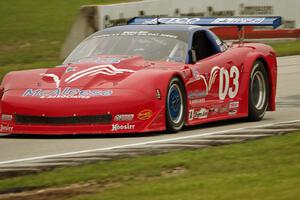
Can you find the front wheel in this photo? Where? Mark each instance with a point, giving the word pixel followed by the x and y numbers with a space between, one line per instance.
pixel 258 92
pixel 175 105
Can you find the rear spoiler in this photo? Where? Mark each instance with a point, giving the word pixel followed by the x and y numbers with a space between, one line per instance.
pixel 240 22
pixel 209 21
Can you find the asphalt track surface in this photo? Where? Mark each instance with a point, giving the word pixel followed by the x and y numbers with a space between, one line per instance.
pixel 20 149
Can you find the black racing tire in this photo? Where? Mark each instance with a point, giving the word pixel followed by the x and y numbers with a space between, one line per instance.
pixel 175 105
pixel 259 90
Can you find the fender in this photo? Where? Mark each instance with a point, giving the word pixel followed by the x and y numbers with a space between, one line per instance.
pixel 271 66
pixel 158 80
pixel 154 79
pixel 13 79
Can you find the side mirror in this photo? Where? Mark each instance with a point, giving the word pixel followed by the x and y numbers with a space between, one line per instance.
pixel 192 56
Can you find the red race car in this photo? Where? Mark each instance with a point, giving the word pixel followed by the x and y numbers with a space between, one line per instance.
pixel 152 74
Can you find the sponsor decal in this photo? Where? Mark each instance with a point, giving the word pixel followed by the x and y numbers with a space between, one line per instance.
pixel 196 74
pixel 124 117
pixel 214 110
pixel 172 21
pixel 66 93
pixel 6 117
pixel 107 60
pixel 218 41
pixel 238 20
pixel 191 114
pixel 197 101
pixel 232 112
pixel 218 109
pixel 6 128
pixel 234 104
pixel 138 33
pixel 223 109
pixel 225 77
pixel 196 94
pixel 211 81
pixel 200 114
pixel 145 114
pixel 158 93
pixel 117 127
pixel 101 60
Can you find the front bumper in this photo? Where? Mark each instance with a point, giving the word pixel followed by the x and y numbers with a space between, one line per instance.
pixel 131 103
pixel 155 123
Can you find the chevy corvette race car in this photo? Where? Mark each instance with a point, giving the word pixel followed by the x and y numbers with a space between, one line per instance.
pixel 152 74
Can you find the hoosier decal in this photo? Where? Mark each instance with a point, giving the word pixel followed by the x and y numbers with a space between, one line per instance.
pixel 117 127
pixel 6 128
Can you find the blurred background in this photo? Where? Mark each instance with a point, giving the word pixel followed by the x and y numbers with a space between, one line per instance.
pixel 38 34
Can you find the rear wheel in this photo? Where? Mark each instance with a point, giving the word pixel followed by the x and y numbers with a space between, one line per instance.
pixel 258 92
pixel 175 105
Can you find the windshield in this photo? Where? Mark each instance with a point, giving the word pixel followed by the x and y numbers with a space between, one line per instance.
pixel 155 46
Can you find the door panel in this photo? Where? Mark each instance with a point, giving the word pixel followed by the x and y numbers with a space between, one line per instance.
pixel 213 88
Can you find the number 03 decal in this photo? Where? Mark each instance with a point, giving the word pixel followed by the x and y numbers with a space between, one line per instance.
pixel 225 77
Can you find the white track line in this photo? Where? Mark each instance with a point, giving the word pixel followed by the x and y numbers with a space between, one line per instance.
pixel 139 144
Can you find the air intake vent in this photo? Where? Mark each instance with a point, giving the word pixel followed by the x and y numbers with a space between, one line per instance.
pixel 96 119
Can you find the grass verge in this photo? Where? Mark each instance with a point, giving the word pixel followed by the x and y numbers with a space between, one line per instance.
pixel 32 32
pixel 287 48
pixel 261 169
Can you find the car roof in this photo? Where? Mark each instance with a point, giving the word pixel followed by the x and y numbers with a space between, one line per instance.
pixel 190 29
pixel 161 27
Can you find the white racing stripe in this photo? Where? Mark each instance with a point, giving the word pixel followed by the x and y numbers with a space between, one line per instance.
pixel 82 71
pixel 101 69
pixel 138 144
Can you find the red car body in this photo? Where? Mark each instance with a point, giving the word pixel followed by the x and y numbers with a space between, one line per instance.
pixel 129 95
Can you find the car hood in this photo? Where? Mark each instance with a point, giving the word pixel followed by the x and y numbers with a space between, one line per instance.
pixel 103 72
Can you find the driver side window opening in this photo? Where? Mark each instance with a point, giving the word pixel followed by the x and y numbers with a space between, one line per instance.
pixel 203 46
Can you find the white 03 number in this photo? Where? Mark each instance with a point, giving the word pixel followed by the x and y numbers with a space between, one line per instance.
pixel 224 88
